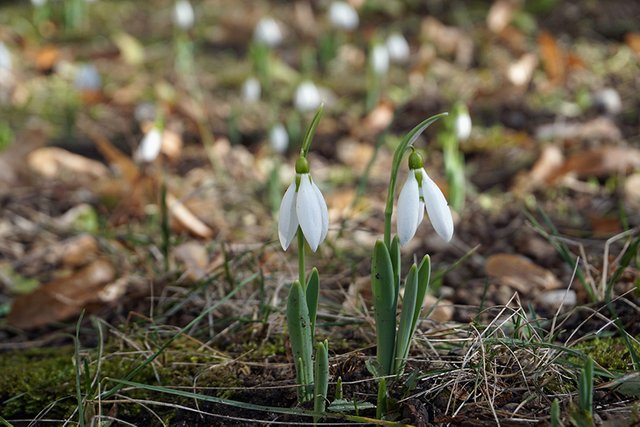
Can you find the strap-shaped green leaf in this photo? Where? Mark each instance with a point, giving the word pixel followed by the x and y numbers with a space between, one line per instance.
pixel 424 276
pixel 383 287
pixel 405 331
pixel 312 294
pixel 300 336
pixel 322 377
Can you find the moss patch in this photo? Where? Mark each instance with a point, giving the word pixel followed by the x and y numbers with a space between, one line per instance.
pixel 610 353
pixel 36 379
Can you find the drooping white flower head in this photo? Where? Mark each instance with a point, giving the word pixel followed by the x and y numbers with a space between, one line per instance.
pixel 418 192
pixel 462 124
pixel 343 16
pixel 398 48
pixel 303 205
pixel 307 97
pixel 183 14
pixel 279 138
pixel 150 146
pixel 379 59
pixel 6 63
pixel 268 32
pixel 251 90
pixel 87 78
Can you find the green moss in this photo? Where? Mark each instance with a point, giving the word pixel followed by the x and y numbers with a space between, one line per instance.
pixel 33 380
pixel 610 353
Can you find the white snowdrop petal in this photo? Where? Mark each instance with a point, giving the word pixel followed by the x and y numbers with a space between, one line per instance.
pixel 421 210
pixel 309 213
pixel 268 32
pixel 307 97
pixel 463 126
pixel 150 146
pixel 279 138
pixel 398 48
pixel 380 59
pixel 408 209
pixel 183 14
pixel 437 208
pixel 251 89
pixel 288 221
pixel 343 16
pixel 323 210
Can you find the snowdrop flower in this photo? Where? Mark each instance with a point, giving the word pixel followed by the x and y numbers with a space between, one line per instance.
pixel 398 48
pixel 462 124
pixel 38 3
pixel 343 16
pixel 307 97
pixel 251 90
pixel 279 138
pixel 303 205
pixel 268 32
pixel 418 192
pixel 87 78
pixel 379 59
pixel 150 146
pixel 183 15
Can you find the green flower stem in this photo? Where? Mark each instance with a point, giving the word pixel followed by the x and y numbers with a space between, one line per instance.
pixel 301 274
pixel 311 131
pixel 406 142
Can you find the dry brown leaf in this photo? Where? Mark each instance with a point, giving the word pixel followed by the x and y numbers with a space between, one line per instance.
pixel 553 57
pixel 543 170
pixel 500 15
pixel 62 298
pixel 185 218
pixel 195 258
pixel 598 128
pixel 118 160
pixel 354 154
pixel 605 226
pixel 13 158
pixel 47 57
pixel 519 273
pixel 633 41
pixel 79 250
pixel 599 162
pixel 378 119
pixel 54 162
pixel 449 40
pixel 440 310
pixel 520 72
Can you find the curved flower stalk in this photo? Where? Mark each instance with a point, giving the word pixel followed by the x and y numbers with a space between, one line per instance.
pixel 420 192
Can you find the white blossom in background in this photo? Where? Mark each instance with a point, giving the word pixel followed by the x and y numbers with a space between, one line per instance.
pixel 463 125
pixel 343 16
pixel 38 3
pixel 183 14
pixel 87 78
pixel 307 97
pixel 608 100
pixel 268 32
pixel 304 205
pixel 251 90
pixel 150 146
pixel 6 63
pixel 420 192
pixel 279 138
pixel 398 48
pixel 379 59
